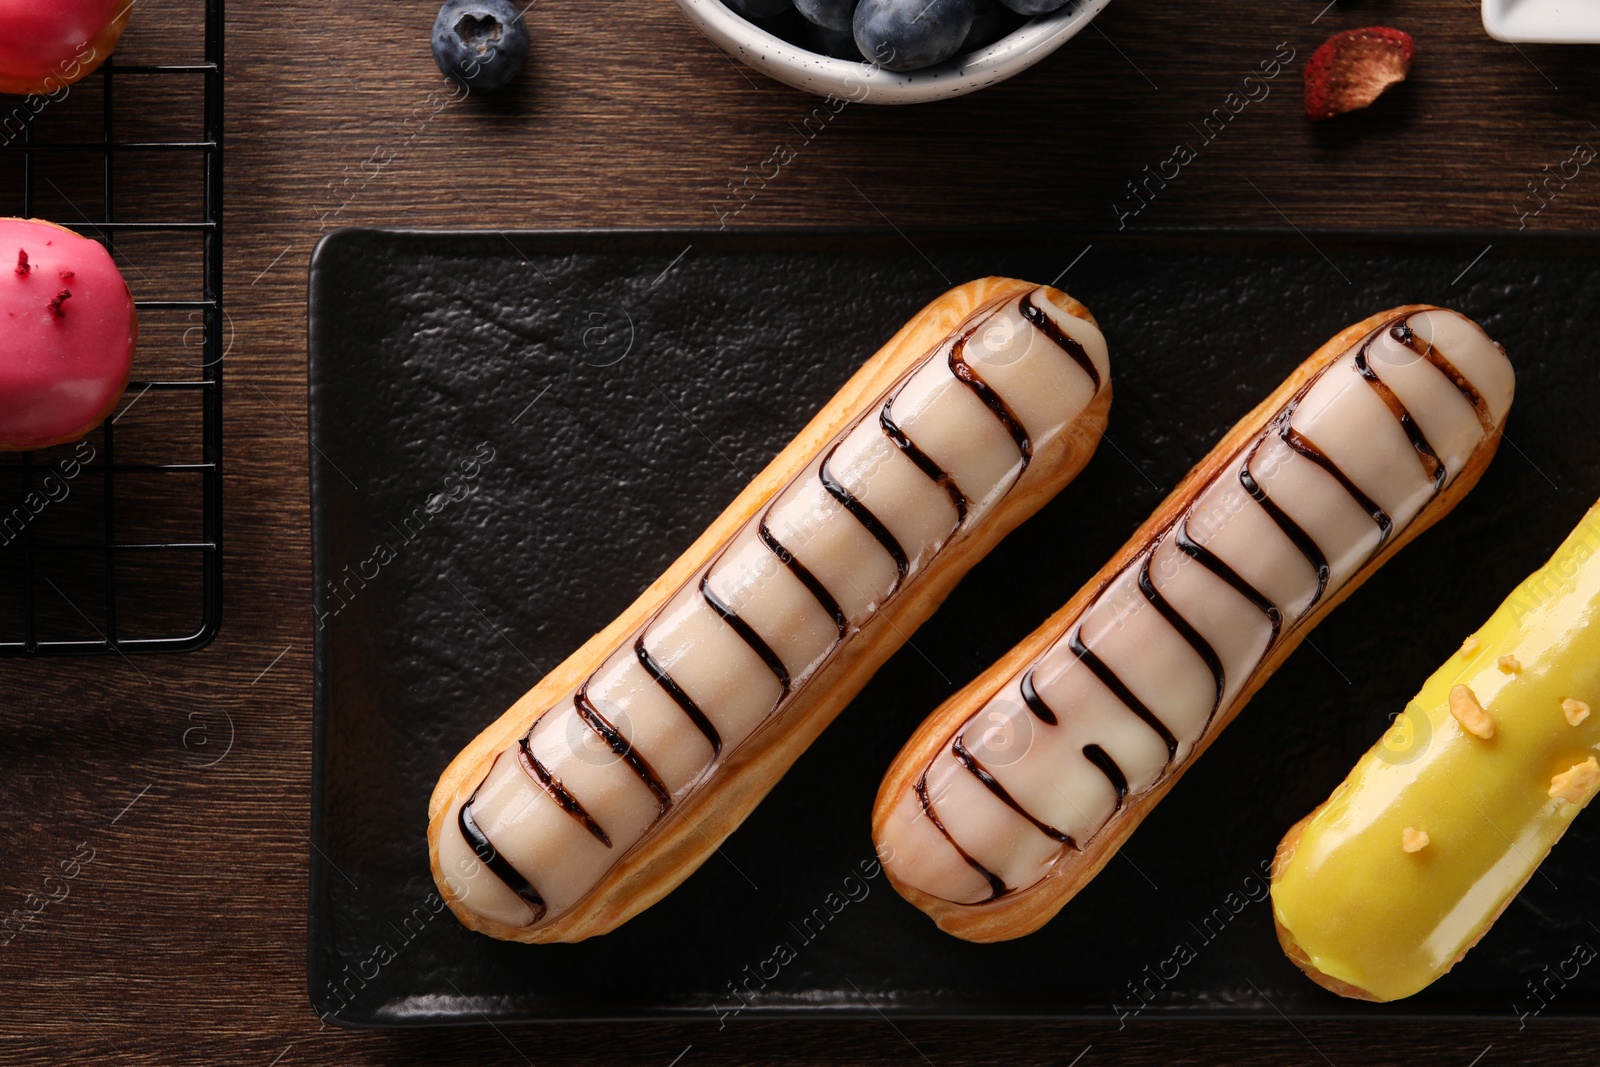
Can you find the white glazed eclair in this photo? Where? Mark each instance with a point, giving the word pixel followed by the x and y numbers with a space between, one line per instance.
pixel 1017 790
pixel 611 780
pixel 1385 886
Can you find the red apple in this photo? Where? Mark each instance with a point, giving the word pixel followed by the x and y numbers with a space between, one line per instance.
pixel 68 329
pixel 46 45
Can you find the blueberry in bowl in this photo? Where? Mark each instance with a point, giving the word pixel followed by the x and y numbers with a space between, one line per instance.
pixel 912 34
pixel 890 51
pixel 481 44
pixel 760 9
pixel 829 14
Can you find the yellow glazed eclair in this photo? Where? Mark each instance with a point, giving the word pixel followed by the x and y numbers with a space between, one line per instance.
pixel 1386 886
pixel 1019 788
pixel 611 780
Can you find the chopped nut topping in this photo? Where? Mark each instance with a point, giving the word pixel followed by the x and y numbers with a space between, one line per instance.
pixel 1469 713
pixel 1577 784
pixel 1509 664
pixel 1575 711
pixel 1413 840
pixel 1470 645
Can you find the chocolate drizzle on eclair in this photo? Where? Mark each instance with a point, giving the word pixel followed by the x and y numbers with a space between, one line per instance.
pixel 1119 689
pixel 1303 447
pixel 1186 630
pixel 863 514
pixel 621 747
pixel 1030 696
pixel 965 757
pixel 992 400
pixel 1211 562
pixel 850 498
pixel 558 792
pixel 1431 464
pixel 825 600
pixel 1402 332
pixel 748 635
pixel 497 864
pixel 679 697
pixel 1047 326
pixel 997 888
pixel 1303 542
pixel 924 463
pixel 1298 537
pixel 1108 767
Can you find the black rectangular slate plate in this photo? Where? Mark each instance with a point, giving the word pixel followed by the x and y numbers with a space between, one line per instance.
pixel 512 434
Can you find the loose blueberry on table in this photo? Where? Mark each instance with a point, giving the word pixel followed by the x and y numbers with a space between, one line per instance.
pixel 481 44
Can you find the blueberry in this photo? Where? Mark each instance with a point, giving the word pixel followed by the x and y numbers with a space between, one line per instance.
pixel 480 43
pixel 911 34
pixel 830 14
pixel 992 23
pixel 759 9
pixel 840 44
pixel 1034 7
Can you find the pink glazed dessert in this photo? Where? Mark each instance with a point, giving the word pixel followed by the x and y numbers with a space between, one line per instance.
pixel 68 330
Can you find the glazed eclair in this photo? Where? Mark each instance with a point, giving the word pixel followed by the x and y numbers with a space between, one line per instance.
pixel 611 780
pixel 1385 886
pixel 1017 790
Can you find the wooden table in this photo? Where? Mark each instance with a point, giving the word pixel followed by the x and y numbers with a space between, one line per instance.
pixel 183 942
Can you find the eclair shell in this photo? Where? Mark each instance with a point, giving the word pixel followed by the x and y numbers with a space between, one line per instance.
pixel 745 772
pixel 982 834
pixel 1366 918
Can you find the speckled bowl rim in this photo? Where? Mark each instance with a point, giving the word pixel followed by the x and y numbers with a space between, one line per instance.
pixel 861 82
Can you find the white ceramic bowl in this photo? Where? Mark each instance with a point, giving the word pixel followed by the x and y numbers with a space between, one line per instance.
pixel 861 82
pixel 1543 21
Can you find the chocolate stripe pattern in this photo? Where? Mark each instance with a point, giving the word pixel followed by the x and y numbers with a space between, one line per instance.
pixel 620 747
pixel 1208 559
pixel 1303 542
pixel 992 400
pixel 1360 468
pixel 1108 767
pixel 679 697
pixel 550 784
pixel 830 548
pixel 1119 689
pixel 802 573
pixel 497 864
pixel 870 522
pixel 747 634
pixel 992 784
pixel 1030 696
pixel 924 463
pixel 995 884
pixel 1185 630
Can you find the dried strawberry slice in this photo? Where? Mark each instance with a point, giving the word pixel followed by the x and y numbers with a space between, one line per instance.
pixel 1352 69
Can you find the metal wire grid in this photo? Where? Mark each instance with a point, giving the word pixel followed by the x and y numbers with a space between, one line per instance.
pixel 113 547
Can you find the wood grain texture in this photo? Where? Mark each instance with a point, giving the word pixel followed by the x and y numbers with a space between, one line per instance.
pixel 183 941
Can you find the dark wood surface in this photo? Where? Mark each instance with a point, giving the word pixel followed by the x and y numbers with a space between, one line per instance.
pixel 183 941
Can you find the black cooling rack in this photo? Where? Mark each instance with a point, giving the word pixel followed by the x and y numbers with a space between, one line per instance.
pixel 114 544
